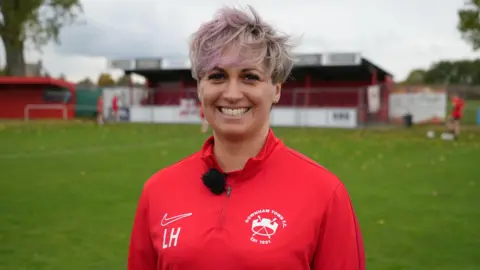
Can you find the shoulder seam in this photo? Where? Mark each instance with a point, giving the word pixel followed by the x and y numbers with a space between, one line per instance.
pixel 334 191
pixel 183 159
pixel 162 170
pixel 306 159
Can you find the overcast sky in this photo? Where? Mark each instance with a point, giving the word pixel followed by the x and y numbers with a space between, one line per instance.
pixel 397 35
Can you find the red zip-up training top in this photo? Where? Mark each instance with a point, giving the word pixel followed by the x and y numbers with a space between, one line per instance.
pixel 282 211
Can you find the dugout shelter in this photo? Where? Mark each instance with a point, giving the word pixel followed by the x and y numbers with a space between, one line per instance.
pixel 339 82
pixel 36 98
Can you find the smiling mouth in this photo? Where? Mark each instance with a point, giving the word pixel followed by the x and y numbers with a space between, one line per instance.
pixel 233 112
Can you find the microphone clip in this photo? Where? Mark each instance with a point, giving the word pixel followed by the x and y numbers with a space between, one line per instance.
pixel 215 181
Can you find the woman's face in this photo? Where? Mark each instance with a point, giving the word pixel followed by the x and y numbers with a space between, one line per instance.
pixel 237 99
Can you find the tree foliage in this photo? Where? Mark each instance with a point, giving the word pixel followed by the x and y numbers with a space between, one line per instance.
pixel 123 80
pixel 105 79
pixel 469 23
pixel 86 82
pixel 462 72
pixel 32 22
pixel 416 76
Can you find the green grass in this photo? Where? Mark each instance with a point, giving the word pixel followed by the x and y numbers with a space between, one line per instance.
pixel 68 191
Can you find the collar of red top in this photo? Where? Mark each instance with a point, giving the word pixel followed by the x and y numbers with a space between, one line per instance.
pixel 253 165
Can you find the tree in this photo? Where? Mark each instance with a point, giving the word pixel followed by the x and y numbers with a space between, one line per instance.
pixel 35 22
pixel 86 82
pixel 461 72
pixel 415 76
pixel 442 72
pixel 123 80
pixel 105 79
pixel 469 23
pixel 464 72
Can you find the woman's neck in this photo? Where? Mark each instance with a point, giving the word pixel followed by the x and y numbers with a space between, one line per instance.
pixel 233 155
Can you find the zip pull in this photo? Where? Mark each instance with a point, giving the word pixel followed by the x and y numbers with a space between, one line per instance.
pixel 229 190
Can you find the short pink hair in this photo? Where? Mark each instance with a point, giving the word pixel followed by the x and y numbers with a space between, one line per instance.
pixel 255 41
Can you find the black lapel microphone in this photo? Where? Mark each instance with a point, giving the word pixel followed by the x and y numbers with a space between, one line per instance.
pixel 215 180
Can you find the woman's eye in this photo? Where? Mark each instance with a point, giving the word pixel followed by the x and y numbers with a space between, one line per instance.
pixel 216 76
pixel 252 77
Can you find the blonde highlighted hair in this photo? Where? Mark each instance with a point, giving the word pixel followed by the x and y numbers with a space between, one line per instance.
pixel 256 42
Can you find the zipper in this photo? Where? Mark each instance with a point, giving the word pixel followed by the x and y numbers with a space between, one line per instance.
pixel 222 215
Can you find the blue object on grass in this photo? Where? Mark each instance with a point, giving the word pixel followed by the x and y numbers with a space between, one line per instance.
pixel 478 116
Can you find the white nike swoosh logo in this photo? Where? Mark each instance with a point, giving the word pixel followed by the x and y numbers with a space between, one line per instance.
pixel 165 221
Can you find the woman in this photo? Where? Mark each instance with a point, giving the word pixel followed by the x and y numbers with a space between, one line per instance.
pixel 100 110
pixel 456 115
pixel 245 200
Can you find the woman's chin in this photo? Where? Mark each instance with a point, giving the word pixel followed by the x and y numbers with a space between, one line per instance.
pixel 233 130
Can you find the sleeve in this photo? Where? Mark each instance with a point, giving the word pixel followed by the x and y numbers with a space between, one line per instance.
pixel 141 253
pixel 340 244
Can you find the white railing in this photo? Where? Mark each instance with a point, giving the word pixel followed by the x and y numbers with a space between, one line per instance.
pixel 30 107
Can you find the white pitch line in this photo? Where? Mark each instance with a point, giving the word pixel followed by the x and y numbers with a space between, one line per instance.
pixel 86 150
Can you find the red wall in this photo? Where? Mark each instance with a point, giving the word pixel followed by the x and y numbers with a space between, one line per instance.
pixel 388 86
pixel 321 94
pixel 168 93
pixel 13 101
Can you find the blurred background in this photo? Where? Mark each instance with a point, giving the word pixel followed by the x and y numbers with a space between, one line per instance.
pixel 96 96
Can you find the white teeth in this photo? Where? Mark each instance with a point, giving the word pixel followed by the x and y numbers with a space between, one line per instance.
pixel 234 112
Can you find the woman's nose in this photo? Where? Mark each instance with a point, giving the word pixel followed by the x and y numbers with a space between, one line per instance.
pixel 233 91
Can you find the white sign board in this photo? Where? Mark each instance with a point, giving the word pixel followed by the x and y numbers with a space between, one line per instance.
pixel 148 63
pixel 120 64
pixel 341 59
pixel 188 106
pixel 307 60
pixel 176 63
pixel 342 118
pixel 424 106
pixel 373 98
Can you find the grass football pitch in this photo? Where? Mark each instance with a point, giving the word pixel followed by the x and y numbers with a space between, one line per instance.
pixel 68 191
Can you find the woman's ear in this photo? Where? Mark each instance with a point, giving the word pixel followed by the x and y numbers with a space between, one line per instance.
pixel 277 94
